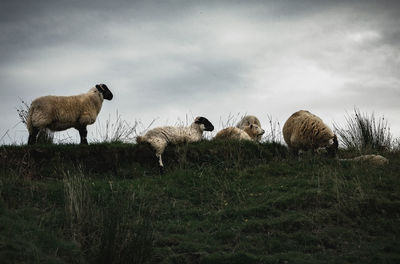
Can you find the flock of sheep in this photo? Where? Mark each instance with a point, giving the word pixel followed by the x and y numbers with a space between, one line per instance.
pixel 302 131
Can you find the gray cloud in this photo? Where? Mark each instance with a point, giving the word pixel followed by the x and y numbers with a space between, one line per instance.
pixel 166 59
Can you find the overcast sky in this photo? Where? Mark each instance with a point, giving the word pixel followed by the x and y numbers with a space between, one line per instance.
pixel 166 60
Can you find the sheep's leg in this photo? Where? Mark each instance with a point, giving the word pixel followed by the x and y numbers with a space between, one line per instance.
pixel 159 146
pixel 33 136
pixel 83 134
pixel 160 163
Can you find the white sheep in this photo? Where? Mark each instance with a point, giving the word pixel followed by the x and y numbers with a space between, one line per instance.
pixel 58 113
pixel 247 121
pixel 374 160
pixel 250 132
pixel 304 131
pixel 160 137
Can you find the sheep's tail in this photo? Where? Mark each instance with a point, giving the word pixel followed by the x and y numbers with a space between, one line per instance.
pixel 29 124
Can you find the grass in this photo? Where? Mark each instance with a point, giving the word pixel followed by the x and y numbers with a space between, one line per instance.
pixel 364 133
pixel 219 202
pixel 116 129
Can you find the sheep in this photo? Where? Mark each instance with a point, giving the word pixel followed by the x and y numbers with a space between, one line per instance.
pixel 160 137
pixel 250 132
pixel 375 160
pixel 304 131
pixel 59 113
pixel 249 120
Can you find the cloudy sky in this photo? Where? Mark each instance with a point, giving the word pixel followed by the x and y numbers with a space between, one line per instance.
pixel 169 60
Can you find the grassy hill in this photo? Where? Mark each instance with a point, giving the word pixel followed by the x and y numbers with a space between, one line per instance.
pixel 219 202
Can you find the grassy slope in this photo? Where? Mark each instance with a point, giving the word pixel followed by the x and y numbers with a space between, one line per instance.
pixel 219 202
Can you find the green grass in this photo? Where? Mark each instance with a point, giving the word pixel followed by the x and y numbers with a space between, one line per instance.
pixel 219 202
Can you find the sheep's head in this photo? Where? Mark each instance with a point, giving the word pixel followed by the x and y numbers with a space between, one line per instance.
pixel 333 146
pixel 107 94
pixel 250 119
pixel 204 123
pixel 254 131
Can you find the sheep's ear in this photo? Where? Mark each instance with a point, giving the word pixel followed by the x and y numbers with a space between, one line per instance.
pixel 99 88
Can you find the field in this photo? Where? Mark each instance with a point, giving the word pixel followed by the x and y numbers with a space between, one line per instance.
pixel 219 202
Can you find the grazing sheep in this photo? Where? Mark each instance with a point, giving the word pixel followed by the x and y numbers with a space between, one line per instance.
pixel 247 121
pixel 58 113
pixel 160 137
pixel 304 131
pixel 375 160
pixel 250 132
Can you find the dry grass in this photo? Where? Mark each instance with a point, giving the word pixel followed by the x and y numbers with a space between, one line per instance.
pixel 363 133
pixel 119 130
pixel 273 132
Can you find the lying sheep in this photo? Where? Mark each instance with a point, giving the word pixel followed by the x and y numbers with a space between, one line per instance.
pixel 247 121
pixel 250 132
pixel 375 160
pixel 160 137
pixel 59 113
pixel 304 131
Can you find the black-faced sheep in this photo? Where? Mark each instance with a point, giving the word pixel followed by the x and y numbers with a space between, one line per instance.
pixel 304 131
pixel 247 121
pixel 250 132
pixel 58 113
pixel 160 137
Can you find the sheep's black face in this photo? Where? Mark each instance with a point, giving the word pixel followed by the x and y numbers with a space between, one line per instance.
pixel 107 94
pixel 332 149
pixel 207 124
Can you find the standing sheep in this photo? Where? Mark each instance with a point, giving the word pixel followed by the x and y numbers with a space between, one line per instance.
pixel 250 132
pixel 304 131
pixel 59 113
pixel 247 121
pixel 160 137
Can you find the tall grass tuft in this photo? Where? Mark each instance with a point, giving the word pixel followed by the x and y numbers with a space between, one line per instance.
pixel 112 226
pixel 78 204
pixel 126 233
pixel 364 133
pixel 273 133
pixel 117 130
